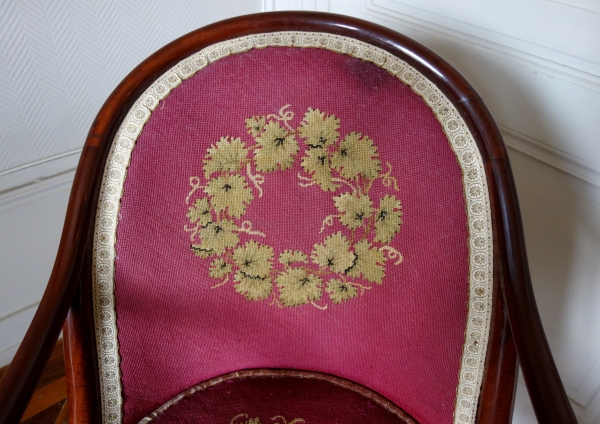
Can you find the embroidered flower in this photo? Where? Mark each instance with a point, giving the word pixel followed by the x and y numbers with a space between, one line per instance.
pixel 255 125
pixel 357 156
pixel 388 220
pixel 215 238
pixel 200 212
pixel 276 146
pixel 354 208
pixel 228 155
pixel 340 291
pixel 317 163
pixel 254 259
pixel 287 257
pixel 334 253
pixel 369 263
pixel 219 268
pixel 297 287
pixel 319 130
pixel 252 288
pixel 330 162
pixel 229 192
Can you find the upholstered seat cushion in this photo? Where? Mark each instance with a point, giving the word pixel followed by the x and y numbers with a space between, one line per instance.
pixel 278 397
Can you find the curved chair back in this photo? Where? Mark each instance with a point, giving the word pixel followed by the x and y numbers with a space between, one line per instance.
pixel 283 211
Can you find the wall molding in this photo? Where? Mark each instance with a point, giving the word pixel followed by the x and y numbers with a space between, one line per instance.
pixel 583 414
pixel 37 180
pixel 316 5
pixel 589 5
pixel 37 190
pixel 18 320
pixel 18 311
pixel 7 354
pixel 524 58
pixel 551 156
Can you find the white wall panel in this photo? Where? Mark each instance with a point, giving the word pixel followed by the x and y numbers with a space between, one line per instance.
pixel 549 25
pixel 12 329
pixel 60 59
pixel 31 220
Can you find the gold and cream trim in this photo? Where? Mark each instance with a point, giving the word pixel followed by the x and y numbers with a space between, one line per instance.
pixel 461 141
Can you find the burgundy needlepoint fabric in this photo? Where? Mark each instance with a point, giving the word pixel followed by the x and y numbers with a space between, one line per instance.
pixel 280 399
pixel 293 208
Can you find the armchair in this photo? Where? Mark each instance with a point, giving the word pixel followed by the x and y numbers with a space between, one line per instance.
pixel 292 217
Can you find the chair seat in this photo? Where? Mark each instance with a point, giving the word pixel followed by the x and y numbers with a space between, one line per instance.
pixel 278 397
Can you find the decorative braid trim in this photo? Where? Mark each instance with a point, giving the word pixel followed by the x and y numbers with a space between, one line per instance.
pixel 461 142
pixel 277 373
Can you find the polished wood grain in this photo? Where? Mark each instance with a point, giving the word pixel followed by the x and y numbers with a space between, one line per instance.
pixel 516 327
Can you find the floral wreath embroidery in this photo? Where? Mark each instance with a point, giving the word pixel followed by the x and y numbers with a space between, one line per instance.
pixel 342 262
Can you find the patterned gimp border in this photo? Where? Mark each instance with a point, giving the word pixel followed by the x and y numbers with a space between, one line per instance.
pixel 278 373
pixel 461 141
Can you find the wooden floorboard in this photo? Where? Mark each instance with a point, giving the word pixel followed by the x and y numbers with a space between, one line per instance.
pixel 48 403
pixel 48 415
pixel 55 368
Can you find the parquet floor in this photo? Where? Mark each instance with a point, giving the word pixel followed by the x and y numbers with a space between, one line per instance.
pixel 49 402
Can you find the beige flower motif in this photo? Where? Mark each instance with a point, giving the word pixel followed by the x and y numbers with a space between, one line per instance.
pixel 227 155
pixel 287 257
pixel 200 212
pixel 252 288
pixel 275 146
pixel 388 220
pixel 369 263
pixel 297 287
pixel 319 130
pixel 357 156
pixel 229 192
pixel 340 291
pixel 219 268
pixel 354 208
pixel 255 125
pixel 254 259
pixel 215 238
pixel 334 253
pixel 317 163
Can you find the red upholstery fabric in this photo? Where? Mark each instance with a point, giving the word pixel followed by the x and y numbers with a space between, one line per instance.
pixel 402 339
pixel 280 400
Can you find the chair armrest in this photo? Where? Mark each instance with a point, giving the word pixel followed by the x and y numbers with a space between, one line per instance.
pixel 18 384
pixel 548 396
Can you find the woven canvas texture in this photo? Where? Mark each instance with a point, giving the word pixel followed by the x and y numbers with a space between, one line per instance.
pixel 263 397
pixel 400 334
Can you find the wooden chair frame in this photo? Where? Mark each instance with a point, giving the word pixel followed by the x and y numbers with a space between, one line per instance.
pixel 516 329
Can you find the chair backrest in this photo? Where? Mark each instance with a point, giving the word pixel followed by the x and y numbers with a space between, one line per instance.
pixel 294 217
pixel 294 200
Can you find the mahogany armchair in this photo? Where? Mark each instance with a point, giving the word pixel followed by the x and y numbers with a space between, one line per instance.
pixel 292 217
